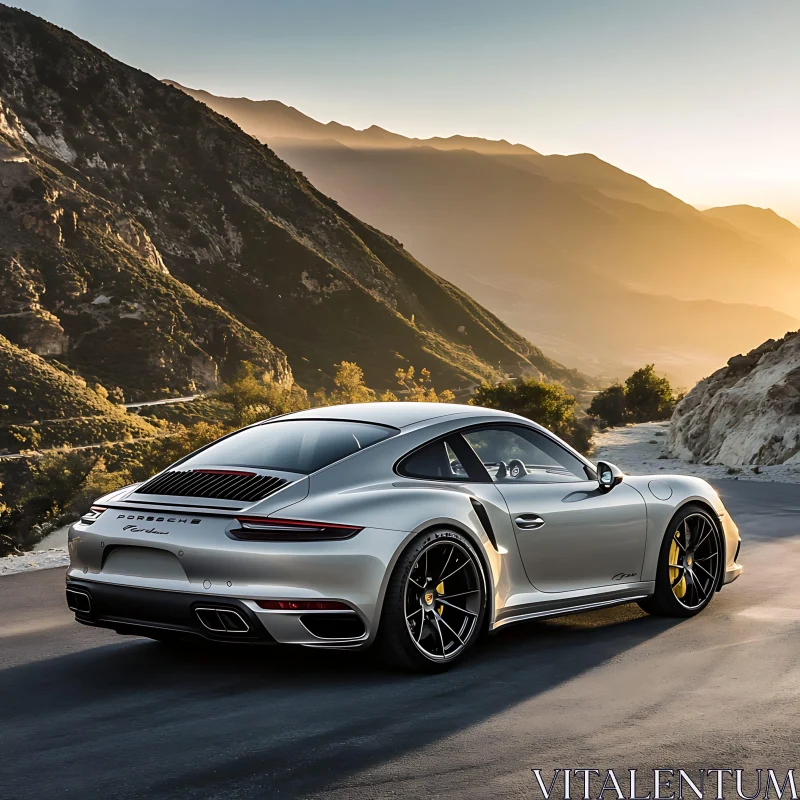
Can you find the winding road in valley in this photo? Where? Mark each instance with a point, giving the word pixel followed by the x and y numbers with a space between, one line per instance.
pixel 87 714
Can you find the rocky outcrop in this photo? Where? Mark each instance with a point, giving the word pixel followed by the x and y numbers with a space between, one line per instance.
pixel 82 281
pixel 22 316
pixel 745 413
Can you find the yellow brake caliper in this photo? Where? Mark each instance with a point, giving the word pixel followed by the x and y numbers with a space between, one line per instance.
pixel 440 590
pixel 674 555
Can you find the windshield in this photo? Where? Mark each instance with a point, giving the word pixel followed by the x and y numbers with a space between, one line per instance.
pixel 292 445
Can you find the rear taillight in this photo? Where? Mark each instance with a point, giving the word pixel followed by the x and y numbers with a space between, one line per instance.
pixel 303 605
pixel 92 515
pixel 268 529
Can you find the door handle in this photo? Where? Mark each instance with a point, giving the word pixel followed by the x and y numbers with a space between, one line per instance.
pixel 529 522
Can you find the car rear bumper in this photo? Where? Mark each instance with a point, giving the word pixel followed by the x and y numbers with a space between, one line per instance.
pixel 129 609
pixel 153 612
pixel 146 585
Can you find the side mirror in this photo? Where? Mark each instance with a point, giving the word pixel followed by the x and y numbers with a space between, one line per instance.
pixel 608 476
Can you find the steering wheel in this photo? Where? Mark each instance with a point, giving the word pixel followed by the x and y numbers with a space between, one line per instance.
pixel 516 469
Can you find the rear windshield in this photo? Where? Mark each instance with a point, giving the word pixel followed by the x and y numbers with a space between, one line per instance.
pixel 292 445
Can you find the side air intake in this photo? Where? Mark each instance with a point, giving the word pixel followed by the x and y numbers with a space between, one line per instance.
pixel 217 483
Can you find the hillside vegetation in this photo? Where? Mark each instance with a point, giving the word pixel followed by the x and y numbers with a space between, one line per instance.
pixel 42 405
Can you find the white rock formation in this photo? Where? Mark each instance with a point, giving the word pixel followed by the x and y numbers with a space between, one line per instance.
pixel 745 413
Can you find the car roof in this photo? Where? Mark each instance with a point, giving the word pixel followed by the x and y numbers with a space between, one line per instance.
pixel 398 414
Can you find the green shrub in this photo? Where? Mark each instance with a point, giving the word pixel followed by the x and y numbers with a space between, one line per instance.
pixel 252 396
pixel 644 397
pixel 46 489
pixel 610 405
pixel 648 396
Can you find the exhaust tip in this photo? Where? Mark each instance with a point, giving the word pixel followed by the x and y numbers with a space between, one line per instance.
pixel 78 601
pixel 221 620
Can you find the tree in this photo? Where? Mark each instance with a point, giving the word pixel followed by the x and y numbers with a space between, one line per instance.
pixel 549 404
pixel 420 389
pixel 644 397
pixel 648 396
pixel 98 482
pixel 610 405
pixel 254 397
pixel 350 388
pixel 100 390
pixel 169 449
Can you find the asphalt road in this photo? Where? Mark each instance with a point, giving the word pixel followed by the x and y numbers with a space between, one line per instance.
pixel 88 714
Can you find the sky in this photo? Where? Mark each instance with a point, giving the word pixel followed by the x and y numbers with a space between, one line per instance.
pixel 699 98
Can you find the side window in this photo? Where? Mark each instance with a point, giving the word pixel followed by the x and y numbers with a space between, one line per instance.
pixel 516 454
pixel 434 461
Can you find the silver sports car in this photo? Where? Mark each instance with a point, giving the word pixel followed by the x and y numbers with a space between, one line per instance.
pixel 414 527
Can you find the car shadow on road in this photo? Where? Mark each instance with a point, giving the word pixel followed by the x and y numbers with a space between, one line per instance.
pixel 203 722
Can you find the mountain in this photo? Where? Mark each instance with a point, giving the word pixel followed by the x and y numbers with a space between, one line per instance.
pixel 441 204
pixel 761 224
pixel 594 178
pixel 745 413
pixel 551 261
pixel 271 119
pixel 149 243
pixel 559 247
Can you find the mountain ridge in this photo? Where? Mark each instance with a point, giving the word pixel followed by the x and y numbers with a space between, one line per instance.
pixel 554 233
pixel 289 122
pixel 262 118
pixel 765 224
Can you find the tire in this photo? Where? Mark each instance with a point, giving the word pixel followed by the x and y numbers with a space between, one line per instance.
pixel 687 575
pixel 427 626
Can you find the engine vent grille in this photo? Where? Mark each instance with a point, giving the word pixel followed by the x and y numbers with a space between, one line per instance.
pixel 216 483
